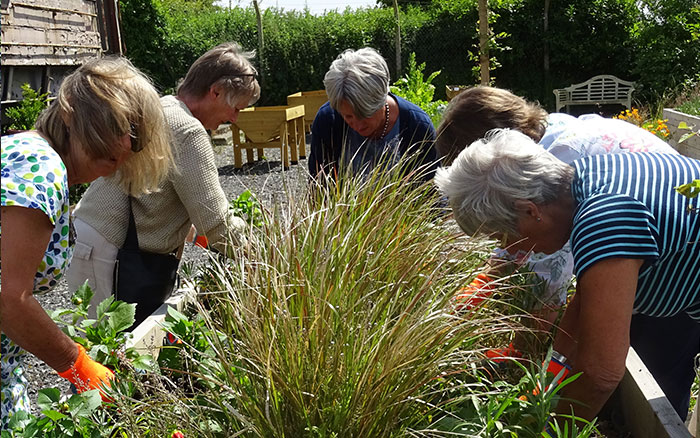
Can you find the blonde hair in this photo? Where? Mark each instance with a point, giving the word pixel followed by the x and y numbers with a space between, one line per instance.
pixel 226 67
pixel 96 106
pixel 478 110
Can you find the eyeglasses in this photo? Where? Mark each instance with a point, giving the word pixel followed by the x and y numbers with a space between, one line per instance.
pixel 136 145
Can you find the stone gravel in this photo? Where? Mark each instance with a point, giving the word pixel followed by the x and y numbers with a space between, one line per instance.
pixel 266 179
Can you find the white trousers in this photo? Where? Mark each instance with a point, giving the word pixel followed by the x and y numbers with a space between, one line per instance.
pixel 93 260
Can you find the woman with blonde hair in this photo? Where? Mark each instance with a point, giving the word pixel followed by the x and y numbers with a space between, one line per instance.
pixel 217 86
pixel 106 120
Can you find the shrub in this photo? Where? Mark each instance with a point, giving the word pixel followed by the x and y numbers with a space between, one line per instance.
pixel 25 114
pixel 418 89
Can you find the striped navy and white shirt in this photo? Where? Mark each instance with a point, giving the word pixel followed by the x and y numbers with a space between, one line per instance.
pixel 627 208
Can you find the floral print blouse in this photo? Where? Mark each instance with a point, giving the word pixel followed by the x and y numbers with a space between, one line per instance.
pixel 34 176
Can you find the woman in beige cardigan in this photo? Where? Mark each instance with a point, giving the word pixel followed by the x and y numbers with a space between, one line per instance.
pixel 217 86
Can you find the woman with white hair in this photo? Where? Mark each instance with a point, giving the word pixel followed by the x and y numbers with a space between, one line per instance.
pixel 635 241
pixel 217 86
pixel 363 124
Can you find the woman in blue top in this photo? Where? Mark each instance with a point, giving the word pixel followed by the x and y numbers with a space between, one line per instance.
pixel 635 240
pixel 106 117
pixel 362 124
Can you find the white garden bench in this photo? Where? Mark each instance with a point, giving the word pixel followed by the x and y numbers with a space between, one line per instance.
pixel 601 89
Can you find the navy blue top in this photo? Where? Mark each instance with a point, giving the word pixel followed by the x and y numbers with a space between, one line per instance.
pixel 330 134
pixel 627 208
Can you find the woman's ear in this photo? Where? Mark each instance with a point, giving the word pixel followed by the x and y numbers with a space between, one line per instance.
pixel 527 208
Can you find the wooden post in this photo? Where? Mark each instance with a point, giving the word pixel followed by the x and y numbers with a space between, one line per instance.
pixel 398 39
pixel 484 42
pixel 261 50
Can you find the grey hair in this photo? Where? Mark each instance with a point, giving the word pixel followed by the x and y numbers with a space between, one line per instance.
pixel 361 77
pixel 227 67
pixel 488 177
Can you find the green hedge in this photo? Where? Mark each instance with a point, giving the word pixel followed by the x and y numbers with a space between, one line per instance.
pixel 657 45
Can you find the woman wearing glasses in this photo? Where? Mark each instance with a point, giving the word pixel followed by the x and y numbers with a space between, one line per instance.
pixel 217 86
pixel 106 120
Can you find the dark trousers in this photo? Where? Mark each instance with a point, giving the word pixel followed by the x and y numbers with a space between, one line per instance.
pixel 668 347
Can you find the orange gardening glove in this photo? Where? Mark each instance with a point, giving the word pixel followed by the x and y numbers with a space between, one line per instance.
pixel 555 366
pixel 474 294
pixel 504 354
pixel 86 374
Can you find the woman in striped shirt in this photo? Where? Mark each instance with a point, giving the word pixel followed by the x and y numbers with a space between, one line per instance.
pixel 634 241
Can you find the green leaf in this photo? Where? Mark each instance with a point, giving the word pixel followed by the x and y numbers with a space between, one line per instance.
pixel 122 316
pixel 104 306
pixel 686 136
pixel 84 404
pixel 689 190
pixel 683 125
pixel 145 362
pixel 47 397
pixel 53 415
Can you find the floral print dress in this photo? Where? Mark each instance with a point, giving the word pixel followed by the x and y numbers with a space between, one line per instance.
pixel 33 176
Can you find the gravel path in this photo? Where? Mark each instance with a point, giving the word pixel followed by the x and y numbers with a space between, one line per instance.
pixel 265 179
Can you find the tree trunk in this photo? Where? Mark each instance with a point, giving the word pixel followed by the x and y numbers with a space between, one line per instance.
pixel 484 42
pixel 398 39
pixel 261 57
pixel 545 53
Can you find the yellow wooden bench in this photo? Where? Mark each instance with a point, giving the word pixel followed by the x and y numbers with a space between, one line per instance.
pixel 269 127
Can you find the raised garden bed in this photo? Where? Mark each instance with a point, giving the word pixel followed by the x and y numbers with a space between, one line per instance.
pixel 148 336
pixel 645 410
pixel 312 101
pixel 691 146
pixel 280 127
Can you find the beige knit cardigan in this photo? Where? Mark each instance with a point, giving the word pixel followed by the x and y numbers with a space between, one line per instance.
pixel 191 195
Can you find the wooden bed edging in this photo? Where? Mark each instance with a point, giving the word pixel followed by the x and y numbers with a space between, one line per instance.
pixel 646 410
pixel 148 336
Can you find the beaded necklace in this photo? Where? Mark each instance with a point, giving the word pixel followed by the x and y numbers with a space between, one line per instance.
pixel 386 120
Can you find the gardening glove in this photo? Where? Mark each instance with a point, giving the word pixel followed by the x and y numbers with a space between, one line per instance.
pixel 200 240
pixel 558 367
pixel 507 353
pixel 473 295
pixel 86 374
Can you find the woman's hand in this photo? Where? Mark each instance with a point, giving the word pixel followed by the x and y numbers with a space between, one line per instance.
pixel 86 374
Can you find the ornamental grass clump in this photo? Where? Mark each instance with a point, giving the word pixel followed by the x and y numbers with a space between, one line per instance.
pixel 340 320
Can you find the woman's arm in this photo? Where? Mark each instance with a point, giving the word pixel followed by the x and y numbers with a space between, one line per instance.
pixel 26 233
pixel 599 320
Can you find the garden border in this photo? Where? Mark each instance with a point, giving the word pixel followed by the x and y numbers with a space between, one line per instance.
pixel 148 336
pixel 646 410
pixel 691 146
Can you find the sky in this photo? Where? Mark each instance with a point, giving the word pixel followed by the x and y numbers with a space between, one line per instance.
pixel 316 7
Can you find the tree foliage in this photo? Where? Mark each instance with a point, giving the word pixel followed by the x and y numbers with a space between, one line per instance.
pixel 652 42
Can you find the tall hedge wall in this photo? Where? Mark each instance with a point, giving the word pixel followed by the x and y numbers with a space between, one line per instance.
pixel 656 43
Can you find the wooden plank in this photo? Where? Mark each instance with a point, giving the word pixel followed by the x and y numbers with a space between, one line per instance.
pixel 646 410
pixel 148 336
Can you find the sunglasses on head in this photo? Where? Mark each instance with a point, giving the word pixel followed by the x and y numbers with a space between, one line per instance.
pixel 136 145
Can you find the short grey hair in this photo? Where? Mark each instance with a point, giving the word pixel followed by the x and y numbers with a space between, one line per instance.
pixel 226 67
pixel 361 77
pixel 488 177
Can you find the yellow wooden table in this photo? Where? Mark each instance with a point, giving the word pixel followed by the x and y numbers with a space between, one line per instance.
pixel 263 127
pixel 312 101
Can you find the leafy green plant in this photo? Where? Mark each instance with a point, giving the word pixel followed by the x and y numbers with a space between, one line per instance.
pixel 417 88
pixel 61 419
pixel 247 206
pixel 104 338
pixel 25 114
